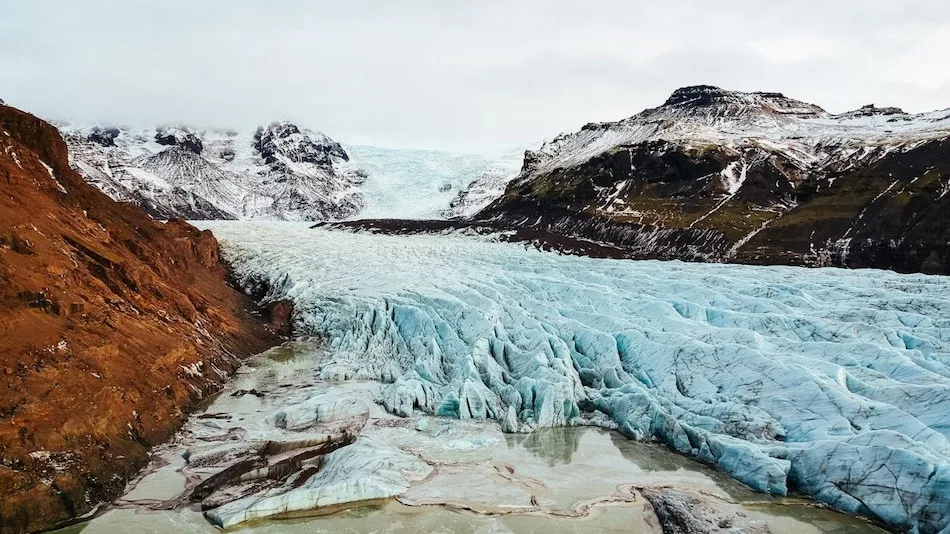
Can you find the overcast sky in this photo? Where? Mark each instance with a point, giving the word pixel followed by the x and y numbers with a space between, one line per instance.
pixel 472 75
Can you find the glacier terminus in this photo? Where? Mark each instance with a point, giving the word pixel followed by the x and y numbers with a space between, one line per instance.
pixel 835 385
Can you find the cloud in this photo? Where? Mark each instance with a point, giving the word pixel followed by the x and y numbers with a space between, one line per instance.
pixel 458 75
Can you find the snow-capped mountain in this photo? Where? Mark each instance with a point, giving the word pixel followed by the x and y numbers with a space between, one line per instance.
pixel 804 134
pixel 279 171
pixel 752 177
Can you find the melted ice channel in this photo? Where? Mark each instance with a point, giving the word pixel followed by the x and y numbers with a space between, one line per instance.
pixel 827 382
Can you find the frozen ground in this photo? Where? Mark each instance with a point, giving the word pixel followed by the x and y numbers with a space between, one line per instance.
pixel 832 383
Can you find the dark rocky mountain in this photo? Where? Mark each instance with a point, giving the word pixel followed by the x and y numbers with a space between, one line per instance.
pixel 717 175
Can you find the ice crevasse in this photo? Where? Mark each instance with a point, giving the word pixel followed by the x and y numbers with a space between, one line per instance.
pixel 831 383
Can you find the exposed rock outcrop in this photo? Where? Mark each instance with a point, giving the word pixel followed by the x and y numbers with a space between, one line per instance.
pixel 679 512
pixel 103 136
pixel 183 137
pixel 280 140
pixel 112 325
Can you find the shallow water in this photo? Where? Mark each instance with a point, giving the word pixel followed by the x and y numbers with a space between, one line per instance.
pixel 555 479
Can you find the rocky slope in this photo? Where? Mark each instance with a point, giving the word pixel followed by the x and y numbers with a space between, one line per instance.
pixel 111 326
pixel 717 175
pixel 279 171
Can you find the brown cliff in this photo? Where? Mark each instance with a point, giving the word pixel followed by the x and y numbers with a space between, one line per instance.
pixel 112 326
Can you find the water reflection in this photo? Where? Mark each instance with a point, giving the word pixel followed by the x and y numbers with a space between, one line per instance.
pixel 648 456
pixel 556 446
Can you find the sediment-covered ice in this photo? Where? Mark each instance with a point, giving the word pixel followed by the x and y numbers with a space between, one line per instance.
pixel 829 382
pixel 363 471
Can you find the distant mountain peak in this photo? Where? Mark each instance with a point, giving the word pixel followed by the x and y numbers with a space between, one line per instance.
pixel 697 95
pixel 104 136
pixel 746 176
pixel 870 110
pixel 286 139
pixel 180 136
pixel 729 102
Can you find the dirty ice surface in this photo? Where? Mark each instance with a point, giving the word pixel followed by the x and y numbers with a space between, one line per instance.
pixel 421 473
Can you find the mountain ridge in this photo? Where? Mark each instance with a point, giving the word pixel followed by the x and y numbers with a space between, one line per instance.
pixel 708 175
pixel 278 171
pixel 717 175
pixel 708 113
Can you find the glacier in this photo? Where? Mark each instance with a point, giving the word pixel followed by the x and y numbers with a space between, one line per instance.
pixel 363 471
pixel 429 184
pixel 825 382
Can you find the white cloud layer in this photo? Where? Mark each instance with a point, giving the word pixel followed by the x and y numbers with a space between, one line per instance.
pixel 458 75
